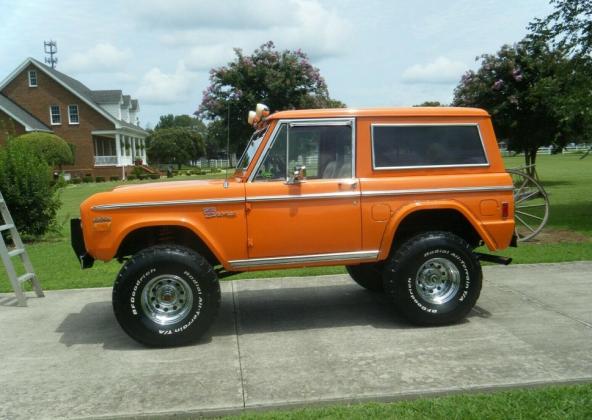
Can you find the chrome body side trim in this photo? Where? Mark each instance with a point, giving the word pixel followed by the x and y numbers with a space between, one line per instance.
pixel 296 259
pixel 394 168
pixel 344 194
pixel 306 122
pixel 117 206
pixel 434 191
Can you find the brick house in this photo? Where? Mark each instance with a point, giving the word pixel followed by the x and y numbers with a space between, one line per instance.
pixel 101 124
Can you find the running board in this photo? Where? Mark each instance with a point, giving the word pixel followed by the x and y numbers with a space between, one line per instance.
pixel 493 258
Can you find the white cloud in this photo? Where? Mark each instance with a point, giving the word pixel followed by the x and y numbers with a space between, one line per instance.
pixel 236 14
pixel 204 57
pixel 161 88
pixel 318 31
pixel 306 24
pixel 441 70
pixel 101 58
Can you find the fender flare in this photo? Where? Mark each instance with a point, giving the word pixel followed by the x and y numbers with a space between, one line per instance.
pixel 168 222
pixel 399 215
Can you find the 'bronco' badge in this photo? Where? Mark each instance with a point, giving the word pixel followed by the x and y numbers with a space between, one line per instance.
pixel 210 212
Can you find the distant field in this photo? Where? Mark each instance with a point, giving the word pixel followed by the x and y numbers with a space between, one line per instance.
pixel 567 179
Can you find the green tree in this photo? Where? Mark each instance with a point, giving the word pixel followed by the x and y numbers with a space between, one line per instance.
pixel 569 26
pixel 27 185
pixel 431 103
pixel 185 121
pixel 51 148
pixel 280 79
pixel 175 145
pixel 529 90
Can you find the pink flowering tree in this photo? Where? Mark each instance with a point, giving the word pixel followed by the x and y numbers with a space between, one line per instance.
pixel 280 79
pixel 532 93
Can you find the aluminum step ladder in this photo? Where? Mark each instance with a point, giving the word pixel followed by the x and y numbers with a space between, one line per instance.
pixel 7 224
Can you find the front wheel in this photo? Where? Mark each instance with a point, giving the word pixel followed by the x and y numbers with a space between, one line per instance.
pixel 369 276
pixel 434 278
pixel 166 296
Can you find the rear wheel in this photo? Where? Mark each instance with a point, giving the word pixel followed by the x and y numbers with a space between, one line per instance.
pixel 166 296
pixel 434 278
pixel 369 276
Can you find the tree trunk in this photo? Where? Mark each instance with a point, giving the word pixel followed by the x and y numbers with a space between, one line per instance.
pixel 530 161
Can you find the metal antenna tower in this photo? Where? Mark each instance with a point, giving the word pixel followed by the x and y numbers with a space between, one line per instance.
pixel 51 48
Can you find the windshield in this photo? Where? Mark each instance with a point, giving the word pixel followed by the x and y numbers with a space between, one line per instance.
pixel 250 151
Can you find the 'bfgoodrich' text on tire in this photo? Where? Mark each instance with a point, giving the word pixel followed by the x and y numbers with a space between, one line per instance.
pixel 433 278
pixel 166 295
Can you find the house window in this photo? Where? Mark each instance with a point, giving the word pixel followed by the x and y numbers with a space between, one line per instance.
pixel 73 114
pixel 32 78
pixel 54 115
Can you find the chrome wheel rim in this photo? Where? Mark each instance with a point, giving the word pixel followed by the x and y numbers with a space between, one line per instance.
pixel 437 281
pixel 167 299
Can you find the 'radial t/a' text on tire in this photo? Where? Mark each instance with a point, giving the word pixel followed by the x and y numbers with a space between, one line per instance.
pixel 166 295
pixel 433 278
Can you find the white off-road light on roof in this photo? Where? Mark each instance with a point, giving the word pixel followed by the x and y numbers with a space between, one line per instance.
pixel 262 110
pixel 252 119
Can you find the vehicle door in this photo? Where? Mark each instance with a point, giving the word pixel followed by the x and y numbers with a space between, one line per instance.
pixel 313 216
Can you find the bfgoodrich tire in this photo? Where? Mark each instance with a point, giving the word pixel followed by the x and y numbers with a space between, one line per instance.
pixel 369 276
pixel 433 278
pixel 166 296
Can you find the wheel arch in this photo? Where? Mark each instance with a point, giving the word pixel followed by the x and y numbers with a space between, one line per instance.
pixel 141 236
pixel 419 217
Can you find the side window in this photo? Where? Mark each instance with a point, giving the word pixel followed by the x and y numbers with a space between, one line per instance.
pixel 404 146
pixel 273 167
pixel 325 150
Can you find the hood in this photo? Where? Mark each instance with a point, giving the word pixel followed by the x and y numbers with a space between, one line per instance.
pixel 167 191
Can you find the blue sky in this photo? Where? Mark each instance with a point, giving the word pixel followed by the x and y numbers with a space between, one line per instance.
pixel 371 52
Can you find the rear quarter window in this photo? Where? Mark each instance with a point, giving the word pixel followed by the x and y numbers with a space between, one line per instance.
pixel 412 146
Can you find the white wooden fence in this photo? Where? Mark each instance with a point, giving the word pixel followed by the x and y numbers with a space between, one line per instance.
pixel 547 150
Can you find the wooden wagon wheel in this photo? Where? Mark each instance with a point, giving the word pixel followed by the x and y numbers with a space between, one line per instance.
pixel 531 205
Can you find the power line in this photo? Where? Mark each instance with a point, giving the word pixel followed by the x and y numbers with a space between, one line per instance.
pixel 51 48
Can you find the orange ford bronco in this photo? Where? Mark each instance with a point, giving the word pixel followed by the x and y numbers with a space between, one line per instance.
pixel 400 196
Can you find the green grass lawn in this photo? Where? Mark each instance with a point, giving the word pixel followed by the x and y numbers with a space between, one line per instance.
pixel 557 402
pixel 567 179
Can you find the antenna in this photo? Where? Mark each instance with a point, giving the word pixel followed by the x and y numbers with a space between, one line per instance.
pixel 227 146
pixel 51 48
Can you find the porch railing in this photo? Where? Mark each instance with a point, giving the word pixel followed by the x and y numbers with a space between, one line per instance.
pixel 105 160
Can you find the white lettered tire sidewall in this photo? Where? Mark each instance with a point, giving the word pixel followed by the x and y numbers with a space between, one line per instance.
pixel 401 273
pixel 157 261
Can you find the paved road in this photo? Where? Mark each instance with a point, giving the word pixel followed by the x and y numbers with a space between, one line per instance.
pixel 291 341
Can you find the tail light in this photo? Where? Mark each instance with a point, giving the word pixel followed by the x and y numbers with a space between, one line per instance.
pixel 505 209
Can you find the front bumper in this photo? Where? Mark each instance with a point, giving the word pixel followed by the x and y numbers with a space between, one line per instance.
pixel 77 240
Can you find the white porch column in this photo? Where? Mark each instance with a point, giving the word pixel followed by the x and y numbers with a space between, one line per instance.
pixel 119 151
pixel 118 148
pixel 133 140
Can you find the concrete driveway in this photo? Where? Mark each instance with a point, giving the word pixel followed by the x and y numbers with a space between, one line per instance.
pixel 294 341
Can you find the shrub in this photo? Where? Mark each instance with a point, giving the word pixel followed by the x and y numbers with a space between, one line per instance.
pixel 87 178
pixel 51 148
pixel 100 179
pixel 188 173
pixel 26 181
pixel 154 176
pixel 114 178
pixel 138 172
pixel 131 177
pixel 76 180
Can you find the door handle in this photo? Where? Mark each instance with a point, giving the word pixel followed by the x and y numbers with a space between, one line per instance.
pixel 352 183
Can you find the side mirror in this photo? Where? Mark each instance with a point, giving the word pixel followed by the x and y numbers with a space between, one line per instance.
pixel 299 175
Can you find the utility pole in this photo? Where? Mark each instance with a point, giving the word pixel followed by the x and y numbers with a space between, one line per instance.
pixel 51 48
